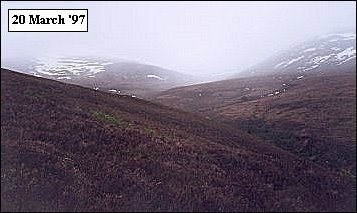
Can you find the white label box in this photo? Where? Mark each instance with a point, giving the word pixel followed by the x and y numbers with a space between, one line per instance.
pixel 47 20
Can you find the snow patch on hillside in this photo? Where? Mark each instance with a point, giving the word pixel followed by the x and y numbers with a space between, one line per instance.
pixel 154 76
pixel 346 53
pixel 310 49
pixel 320 59
pixel 312 67
pixel 280 64
pixel 65 67
pixel 294 60
pixel 65 77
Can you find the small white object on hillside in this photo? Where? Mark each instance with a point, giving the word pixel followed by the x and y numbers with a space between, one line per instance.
pixel 114 91
pixel 154 76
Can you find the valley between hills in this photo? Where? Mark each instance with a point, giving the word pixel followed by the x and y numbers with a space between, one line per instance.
pixel 101 134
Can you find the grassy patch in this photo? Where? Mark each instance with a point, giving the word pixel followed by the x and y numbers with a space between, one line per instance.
pixel 311 147
pixel 155 133
pixel 109 119
pixel 32 94
pixel 150 131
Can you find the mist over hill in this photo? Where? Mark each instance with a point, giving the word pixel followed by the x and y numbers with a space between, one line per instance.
pixel 108 74
pixel 322 54
pixel 181 106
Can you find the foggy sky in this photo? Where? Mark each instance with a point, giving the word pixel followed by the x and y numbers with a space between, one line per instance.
pixel 191 37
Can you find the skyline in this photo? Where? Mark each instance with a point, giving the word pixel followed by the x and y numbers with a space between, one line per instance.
pixel 190 37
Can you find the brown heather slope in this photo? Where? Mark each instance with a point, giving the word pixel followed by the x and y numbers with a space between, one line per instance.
pixel 68 148
pixel 313 117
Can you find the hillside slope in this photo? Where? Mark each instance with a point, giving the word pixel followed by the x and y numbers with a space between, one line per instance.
pixel 321 54
pixel 141 80
pixel 102 73
pixel 311 115
pixel 68 148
